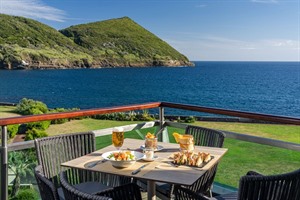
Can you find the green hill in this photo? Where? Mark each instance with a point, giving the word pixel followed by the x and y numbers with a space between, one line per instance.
pixel 27 43
pixel 37 44
pixel 124 42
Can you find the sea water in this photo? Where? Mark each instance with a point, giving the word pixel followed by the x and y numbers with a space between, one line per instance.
pixel 263 87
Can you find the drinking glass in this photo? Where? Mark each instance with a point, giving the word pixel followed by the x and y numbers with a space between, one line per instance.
pixel 149 153
pixel 151 143
pixel 118 137
pixel 186 143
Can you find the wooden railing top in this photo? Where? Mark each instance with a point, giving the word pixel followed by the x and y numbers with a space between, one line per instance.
pixel 89 112
pixel 79 113
pixel 249 115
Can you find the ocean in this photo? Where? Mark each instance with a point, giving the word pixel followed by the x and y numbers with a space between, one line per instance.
pixel 261 87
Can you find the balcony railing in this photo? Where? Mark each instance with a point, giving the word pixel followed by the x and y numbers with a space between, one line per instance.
pixel 161 123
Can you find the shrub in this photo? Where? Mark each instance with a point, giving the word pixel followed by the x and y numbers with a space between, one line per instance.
pixel 121 116
pixel 109 116
pixel 144 116
pixel 12 130
pixel 189 119
pixel 31 107
pixel 131 116
pixel 43 125
pixel 26 194
pixel 179 120
pixel 59 121
pixel 32 134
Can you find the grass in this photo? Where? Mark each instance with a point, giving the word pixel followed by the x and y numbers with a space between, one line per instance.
pixel 288 133
pixel 84 125
pixel 240 158
pixel 7 111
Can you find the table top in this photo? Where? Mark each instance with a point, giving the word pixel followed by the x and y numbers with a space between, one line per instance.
pixel 158 170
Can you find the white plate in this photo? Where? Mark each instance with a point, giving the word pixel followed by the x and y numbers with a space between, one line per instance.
pixel 123 163
pixel 149 160
pixel 159 147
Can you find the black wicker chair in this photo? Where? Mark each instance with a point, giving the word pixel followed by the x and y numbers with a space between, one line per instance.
pixel 254 186
pixel 46 187
pixel 52 151
pixel 202 137
pixel 125 192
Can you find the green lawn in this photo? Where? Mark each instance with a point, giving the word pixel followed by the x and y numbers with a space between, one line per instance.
pixel 7 111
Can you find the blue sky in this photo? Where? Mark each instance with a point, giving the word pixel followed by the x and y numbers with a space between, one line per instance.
pixel 227 30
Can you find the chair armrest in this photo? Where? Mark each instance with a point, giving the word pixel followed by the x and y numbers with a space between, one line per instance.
pixel 253 173
pixel 46 187
pixel 127 191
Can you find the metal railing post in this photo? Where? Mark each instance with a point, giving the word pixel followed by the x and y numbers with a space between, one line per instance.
pixel 4 165
pixel 161 122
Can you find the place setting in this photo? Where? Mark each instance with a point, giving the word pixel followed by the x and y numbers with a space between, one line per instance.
pixel 123 158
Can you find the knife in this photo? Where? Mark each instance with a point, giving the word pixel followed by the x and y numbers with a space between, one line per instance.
pixel 138 169
pixel 96 163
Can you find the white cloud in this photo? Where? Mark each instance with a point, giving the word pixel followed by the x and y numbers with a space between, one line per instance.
pixel 35 9
pixel 282 43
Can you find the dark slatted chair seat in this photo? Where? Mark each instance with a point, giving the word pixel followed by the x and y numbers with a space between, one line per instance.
pixel 125 192
pixel 57 193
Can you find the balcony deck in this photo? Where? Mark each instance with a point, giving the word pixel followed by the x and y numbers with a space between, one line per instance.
pixel 161 126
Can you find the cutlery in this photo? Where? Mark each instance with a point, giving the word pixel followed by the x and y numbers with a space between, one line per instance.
pixel 96 163
pixel 138 169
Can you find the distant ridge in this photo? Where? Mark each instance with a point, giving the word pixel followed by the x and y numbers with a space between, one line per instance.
pixel 29 44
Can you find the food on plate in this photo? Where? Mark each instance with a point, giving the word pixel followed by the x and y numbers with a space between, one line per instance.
pixel 150 141
pixel 121 156
pixel 191 158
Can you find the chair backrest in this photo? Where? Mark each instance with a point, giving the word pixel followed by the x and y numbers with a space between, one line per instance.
pixel 46 187
pixel 125 192
pixel 274 187
pixel 52 151
pixel 205 136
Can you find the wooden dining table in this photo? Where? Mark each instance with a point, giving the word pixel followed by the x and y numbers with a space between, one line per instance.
pixel 159 170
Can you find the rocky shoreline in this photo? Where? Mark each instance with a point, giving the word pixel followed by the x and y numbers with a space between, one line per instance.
pixel 95 65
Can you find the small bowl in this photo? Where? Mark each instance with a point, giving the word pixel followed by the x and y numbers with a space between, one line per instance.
pixel 122 163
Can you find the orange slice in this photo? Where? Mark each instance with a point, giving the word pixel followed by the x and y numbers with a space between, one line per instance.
pixel 177 136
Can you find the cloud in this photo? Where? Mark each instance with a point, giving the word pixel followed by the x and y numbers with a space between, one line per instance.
pixel 264 1
pixel 213 47
pixel 282 43
pixel 35 9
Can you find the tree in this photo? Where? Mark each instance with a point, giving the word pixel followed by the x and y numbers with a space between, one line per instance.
pixel 21 163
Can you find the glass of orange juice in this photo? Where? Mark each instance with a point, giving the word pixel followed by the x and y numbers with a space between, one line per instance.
pixel 118 137
pixel 186 143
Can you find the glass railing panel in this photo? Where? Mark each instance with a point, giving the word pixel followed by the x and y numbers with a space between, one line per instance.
pixel 21 180
pixel 245 156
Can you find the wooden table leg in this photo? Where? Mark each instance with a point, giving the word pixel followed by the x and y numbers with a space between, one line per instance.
pixel 151 190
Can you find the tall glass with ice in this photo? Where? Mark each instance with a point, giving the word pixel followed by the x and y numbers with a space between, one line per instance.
pixel 186 143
